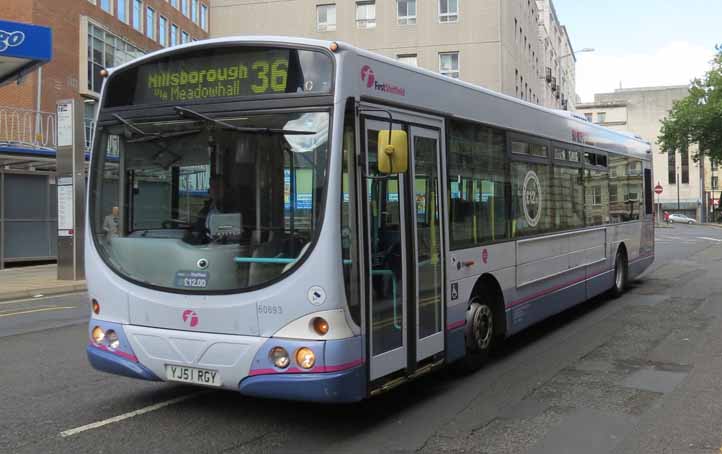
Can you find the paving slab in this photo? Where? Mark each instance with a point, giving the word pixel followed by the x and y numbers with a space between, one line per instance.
pixel 31 281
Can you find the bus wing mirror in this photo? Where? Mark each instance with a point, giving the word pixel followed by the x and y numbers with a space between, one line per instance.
pixel 393 154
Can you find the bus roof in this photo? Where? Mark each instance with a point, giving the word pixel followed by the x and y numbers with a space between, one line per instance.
pixel 345 47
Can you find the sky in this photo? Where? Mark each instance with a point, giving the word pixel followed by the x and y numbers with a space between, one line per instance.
pixel 640 43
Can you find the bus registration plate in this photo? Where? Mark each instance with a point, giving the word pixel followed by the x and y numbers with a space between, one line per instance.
pixel 184 374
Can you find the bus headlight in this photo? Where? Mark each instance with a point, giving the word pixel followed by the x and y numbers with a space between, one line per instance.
pixel 305 357
pixel 98 335
pixel 279 357
pixel 112 338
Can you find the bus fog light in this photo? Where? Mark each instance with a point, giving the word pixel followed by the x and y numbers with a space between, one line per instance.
pixel 279 357
pixel 320 325
pixel 305 358
pixel 98 335
pixel 112 338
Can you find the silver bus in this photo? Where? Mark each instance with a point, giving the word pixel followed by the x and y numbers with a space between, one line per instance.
pixel 302 219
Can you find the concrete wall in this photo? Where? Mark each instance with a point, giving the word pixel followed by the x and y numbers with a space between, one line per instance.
pixel 491 47
pixel 644 109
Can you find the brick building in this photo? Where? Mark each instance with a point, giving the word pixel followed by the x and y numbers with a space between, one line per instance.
pixel 89 35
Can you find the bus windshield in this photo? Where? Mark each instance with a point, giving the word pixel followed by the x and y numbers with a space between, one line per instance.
pixel 206 204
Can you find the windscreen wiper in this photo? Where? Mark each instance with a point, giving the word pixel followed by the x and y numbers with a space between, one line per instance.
pixel 183 112
pixel 150 136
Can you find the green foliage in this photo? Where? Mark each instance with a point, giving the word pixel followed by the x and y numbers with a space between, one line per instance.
pixel 697 119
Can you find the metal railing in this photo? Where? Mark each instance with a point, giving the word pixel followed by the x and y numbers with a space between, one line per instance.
pixel 27 128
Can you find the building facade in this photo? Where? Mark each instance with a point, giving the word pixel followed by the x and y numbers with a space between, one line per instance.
pixel 689 186
pixel 492 43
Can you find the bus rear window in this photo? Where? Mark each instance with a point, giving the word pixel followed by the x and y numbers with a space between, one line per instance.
pixel 218 73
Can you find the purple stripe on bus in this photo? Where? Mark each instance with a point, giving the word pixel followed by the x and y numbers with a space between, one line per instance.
pixel 455 325
pixel 568 284
pixel 122 354
pixel 315 370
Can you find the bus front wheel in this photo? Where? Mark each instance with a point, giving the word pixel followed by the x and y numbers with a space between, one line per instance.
pixel 479 334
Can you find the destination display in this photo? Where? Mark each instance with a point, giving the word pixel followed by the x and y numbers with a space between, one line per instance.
pixel 212 74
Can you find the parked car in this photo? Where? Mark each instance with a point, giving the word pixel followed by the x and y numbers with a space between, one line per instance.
pixel 681 218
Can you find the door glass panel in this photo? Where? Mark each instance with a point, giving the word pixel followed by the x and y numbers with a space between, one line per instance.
pixel 386 247
pixel 428 244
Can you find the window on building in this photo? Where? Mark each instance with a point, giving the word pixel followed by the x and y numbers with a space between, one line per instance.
pixel 479 188
pixel 162 31
pixel 138 15
pixel 596 190
pixel 448 10
pixel 715 182
pixel 173 35
pixel 601 117
pixel 174 3
pixel 567 197
pixel 589 116
pixel 366 14
pixel 406 12
pixel 326 18
pixel 150 22
pixel 204 16
pixel 185 37
pixel 194 11
pixel 684 155
pixel 409 59
pixel 672 167
pixel 449 64
pixel 106 50
pixel 107 6
pixel 714 164
pixel 184 8
pixel 123 12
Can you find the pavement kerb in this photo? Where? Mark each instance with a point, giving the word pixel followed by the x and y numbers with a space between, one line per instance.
pixel 51 291
pixel 709 224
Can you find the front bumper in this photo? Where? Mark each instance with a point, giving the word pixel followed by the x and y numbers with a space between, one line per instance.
pixel 345 386
pixel 339 374
pixel 106 361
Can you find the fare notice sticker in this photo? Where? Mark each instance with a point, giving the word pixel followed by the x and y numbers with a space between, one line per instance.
pixel 192 279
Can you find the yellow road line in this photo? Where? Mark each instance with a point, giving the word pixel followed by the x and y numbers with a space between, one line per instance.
pixel 46 309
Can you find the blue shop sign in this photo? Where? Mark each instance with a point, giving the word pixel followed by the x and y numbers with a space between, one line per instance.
pixel 23 47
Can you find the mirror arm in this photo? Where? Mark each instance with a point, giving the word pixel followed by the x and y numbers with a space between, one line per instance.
pixel 387 112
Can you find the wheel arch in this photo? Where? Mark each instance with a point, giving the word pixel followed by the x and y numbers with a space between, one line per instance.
pixel 487 287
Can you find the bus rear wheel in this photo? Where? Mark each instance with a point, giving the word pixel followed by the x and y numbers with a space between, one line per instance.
pixel 479 333
pixel 620 274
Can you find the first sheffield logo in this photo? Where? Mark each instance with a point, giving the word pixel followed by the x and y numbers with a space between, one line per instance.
pixel 368 76
pixel 10 39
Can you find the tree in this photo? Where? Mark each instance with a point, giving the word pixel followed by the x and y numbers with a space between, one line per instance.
pixel 697 119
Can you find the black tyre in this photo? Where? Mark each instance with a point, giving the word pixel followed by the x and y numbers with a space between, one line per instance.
pixel 621 274
pixel 690 223
pixel 480 333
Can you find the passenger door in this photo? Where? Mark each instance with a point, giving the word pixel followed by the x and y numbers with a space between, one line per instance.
pixel 404 252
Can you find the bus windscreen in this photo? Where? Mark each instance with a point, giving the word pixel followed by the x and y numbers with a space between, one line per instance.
pixel 216 73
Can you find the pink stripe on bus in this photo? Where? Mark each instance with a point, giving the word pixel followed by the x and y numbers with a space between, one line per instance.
pixel 567 284
pixel 319 369
pixel 122 354
pixel 455 325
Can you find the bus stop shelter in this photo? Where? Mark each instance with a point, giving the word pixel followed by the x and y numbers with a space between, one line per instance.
pixel 27 152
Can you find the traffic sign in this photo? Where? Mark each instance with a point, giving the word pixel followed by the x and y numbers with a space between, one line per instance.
pixel 658 189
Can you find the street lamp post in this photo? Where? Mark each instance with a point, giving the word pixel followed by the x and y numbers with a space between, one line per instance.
pixel 678 169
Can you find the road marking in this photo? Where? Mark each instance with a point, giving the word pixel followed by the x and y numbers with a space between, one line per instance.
pixel 124 416
pixel 45 309
pixel 2 303
pixel 709 239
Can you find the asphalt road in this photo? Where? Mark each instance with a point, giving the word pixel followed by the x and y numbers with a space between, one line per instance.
pixel 640 374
